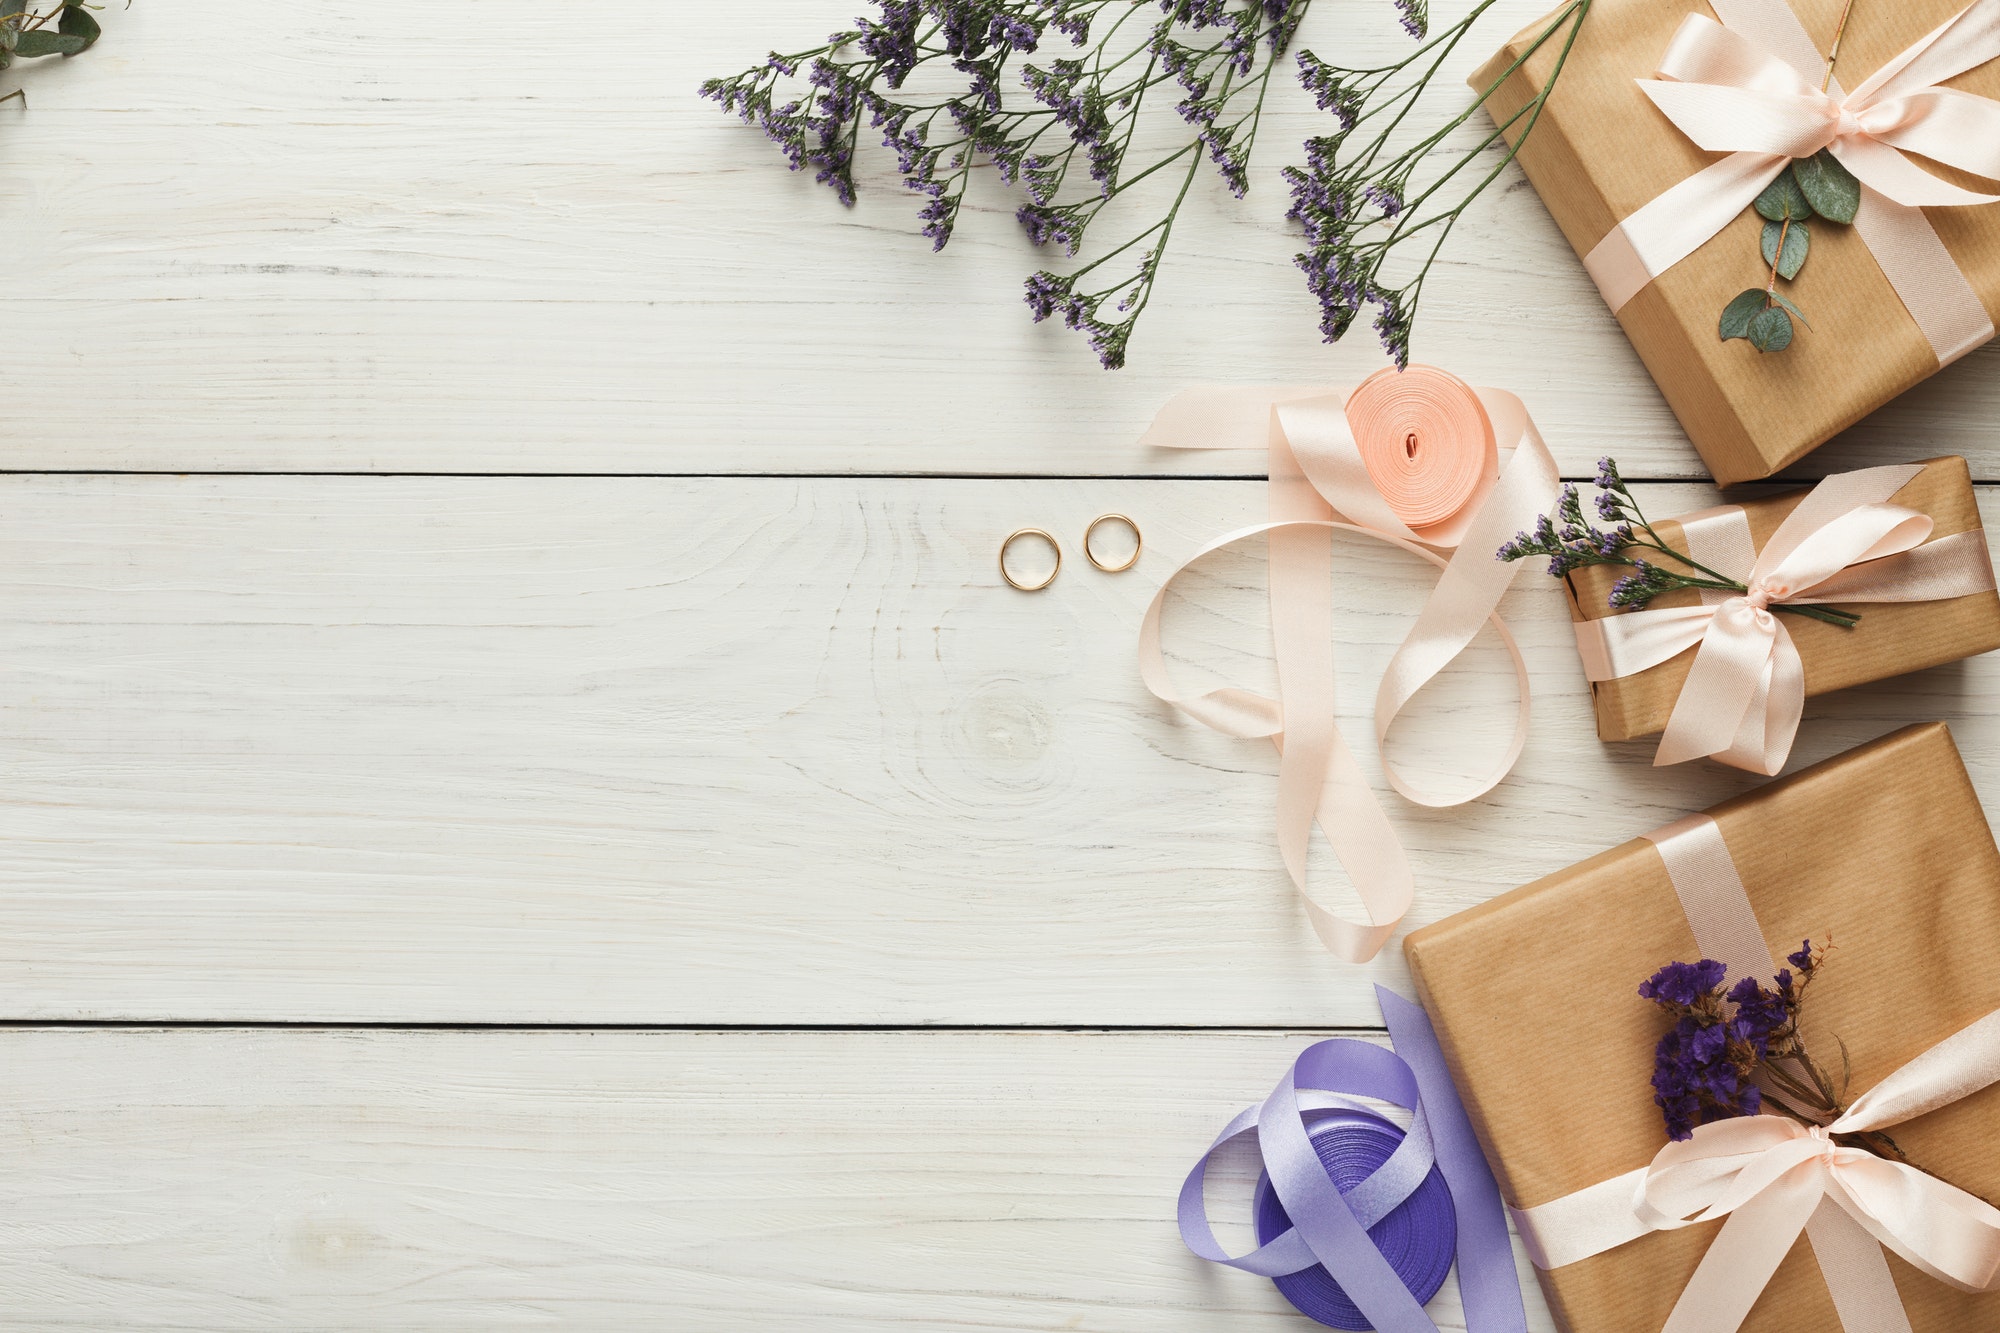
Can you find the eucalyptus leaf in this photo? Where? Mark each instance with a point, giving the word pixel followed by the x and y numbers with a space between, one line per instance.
pixel 1797 242
pixel 40 42
pixel 77 21
pixel 1828 186
pixel 13 8
pixel 1736 316
pixel 1771 331
pixel 1799 314
pixel 1783 199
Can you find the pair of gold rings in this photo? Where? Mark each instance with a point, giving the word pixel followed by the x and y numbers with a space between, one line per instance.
pixel 1138 544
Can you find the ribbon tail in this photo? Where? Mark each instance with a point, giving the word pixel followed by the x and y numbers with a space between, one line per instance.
pixel 1490 1289
pixel 1744 1255
pixel 1677 223
pixel 1467 597
pixel 1723 685
pixel 1771 722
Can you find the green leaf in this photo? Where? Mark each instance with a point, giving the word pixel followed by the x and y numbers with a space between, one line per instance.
pixel 1771 331
pixel 1797 242
pixel 39 42
pixel 1828 186
pixel 1797 313
pixel 77 21
pixel 12 8
pixel 1783 199
pixel 1737 315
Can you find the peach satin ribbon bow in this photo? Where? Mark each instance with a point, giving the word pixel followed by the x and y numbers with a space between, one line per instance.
pixel 1410 459
pixel 1746 692
pixel 1769 1174
pixel 1752 89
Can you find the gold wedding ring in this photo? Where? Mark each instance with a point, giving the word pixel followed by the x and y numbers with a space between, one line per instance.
pixel 1138 543
pixel 1054 545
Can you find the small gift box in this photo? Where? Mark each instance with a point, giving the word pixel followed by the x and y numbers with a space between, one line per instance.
pixel 1883 851
pixel 1914 609
pixel 1889 299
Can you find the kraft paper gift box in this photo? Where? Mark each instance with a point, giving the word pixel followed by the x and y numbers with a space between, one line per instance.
pixel 1602 150
pixel 1885 852
pixel 1893 638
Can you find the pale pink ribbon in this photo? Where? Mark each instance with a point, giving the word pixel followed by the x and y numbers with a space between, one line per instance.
pixel 1318 483
pixel 1775 1178
pixel 1752 89
pixel 1743 699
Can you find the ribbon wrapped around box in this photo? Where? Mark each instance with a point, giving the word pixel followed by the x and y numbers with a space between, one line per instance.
pixel 1666 124
pixel 1886 852
pixel 1900 546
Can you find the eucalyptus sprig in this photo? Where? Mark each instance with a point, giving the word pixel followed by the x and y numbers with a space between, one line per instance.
pixel 1572 542
pixel 1355 197
pixel 66 30
pixel 1817 186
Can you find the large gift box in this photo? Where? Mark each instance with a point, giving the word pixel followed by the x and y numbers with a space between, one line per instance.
pixel 1892 638
pixel 1885 852
pixel 1602 150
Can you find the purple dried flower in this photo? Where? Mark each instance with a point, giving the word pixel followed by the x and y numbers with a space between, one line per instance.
pixel 1684 984
pixel 1385 197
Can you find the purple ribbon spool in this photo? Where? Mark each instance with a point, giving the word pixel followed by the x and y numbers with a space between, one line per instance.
pixel 1418 1238
pixel 1356 1219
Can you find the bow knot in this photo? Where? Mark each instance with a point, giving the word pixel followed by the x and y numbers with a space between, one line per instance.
pixel 1768 1174
pixel 1730 95
pixel 1754 93
pixel 1745 692
pixel 1846 124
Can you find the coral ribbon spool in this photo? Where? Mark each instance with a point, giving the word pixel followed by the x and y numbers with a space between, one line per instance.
pixel 1410 459
pixel 1428 446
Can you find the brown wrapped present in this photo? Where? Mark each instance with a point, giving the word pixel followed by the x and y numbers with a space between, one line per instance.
pixel 1602 150
pixel 1892 638
pixel 1883 850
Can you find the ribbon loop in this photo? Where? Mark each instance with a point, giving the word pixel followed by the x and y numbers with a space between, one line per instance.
pixel 1411 459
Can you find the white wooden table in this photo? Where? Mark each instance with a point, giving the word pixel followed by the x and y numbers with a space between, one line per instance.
pixel 525 801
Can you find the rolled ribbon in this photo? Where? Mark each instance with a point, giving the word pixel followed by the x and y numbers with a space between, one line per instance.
pixel 1750 86
pixel 1774 1178
pixel 1745 694
pixel 1357 1220
pixel 1411 459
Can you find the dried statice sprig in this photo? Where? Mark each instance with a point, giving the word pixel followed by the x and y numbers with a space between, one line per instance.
pixel 1739 1052
pixel 1571 542
pixel 1060 130
pixel 27 34
pixel 1359 198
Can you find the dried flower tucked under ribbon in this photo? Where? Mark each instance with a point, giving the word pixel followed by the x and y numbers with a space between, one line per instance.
pixel 1739 1052
pixel 1816 186
pixel 1571 541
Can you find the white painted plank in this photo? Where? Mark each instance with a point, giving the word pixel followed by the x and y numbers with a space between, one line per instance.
pixel 503 240
pixel 227 1179
pixel 717 751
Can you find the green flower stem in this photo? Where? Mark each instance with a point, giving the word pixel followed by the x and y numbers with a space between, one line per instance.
pixel 1574 15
